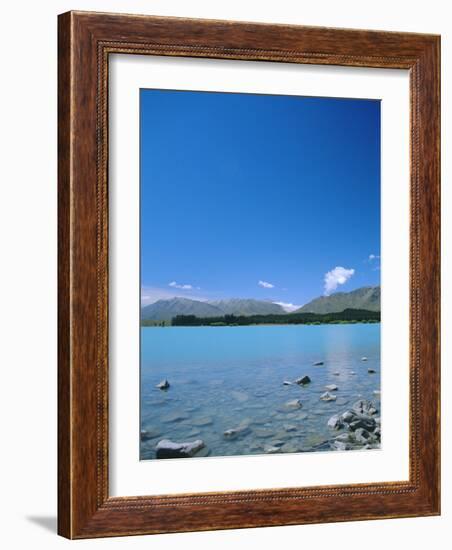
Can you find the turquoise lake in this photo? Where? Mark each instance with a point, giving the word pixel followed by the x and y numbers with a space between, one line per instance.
pixel 224 377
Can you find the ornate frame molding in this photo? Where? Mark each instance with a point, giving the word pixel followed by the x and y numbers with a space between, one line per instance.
pixel 85 42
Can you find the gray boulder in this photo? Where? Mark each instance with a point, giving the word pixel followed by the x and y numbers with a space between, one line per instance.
pixel 365 422
pixel 371 371
pixel 331 387
pixel 335 422
pixel 340 446
pixel 303 380
pixel 170 449
pixel 327 397
pixel 163 385
pixel 362 436
pixel 363 406
pixel 348 416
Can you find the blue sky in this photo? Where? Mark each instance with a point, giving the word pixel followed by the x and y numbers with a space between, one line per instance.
pixel 258 196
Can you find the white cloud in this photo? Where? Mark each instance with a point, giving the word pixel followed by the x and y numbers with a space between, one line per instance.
pixel 173 284
pixel 335 277
pixel 264 284
pixel 373 257
pixel 287 306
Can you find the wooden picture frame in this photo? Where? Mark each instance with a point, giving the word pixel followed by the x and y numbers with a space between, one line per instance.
pixel 85 42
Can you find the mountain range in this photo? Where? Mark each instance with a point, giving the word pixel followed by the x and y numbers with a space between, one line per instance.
pixel 367 298
pixel 167 309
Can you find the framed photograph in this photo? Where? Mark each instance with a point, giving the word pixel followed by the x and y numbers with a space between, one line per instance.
pixel 248 275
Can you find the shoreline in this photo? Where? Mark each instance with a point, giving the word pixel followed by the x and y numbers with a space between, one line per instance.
pixel 143 325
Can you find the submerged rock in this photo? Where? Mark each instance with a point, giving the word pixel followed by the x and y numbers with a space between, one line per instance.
pixel 318 363
pixel 327 397
pixel 170 449
pixel 203 421
pixel 234 433
pixel 289 447
pixel 303 380
pixel 331 387
pixel 363 358
pixel 341 401
pixel 336 373
pixel 263 433
pixel 176 416
pixel 145 435
pixel 287 383
pixel 271 449
pixel 163 385
pixel 371 371
pixel 281 434
pixel 240 396
pixel 290 427
pixel 314 440
pixel 294 404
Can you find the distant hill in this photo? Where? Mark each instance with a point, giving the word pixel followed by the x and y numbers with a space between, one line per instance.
pixel 239 306
pixel 164 310
pixel 367 298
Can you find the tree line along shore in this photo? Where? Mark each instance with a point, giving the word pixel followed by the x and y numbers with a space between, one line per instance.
pixel 348 316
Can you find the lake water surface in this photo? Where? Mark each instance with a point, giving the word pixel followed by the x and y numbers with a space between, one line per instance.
pixel 223 377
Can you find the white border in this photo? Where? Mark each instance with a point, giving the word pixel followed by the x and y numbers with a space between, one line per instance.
pixel 129 476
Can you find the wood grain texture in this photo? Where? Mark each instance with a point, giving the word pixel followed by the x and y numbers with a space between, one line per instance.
pixel 85 42
pixel 64 295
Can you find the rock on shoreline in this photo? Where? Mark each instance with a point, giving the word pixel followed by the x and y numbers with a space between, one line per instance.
pixel 362 425
pixel 170 449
